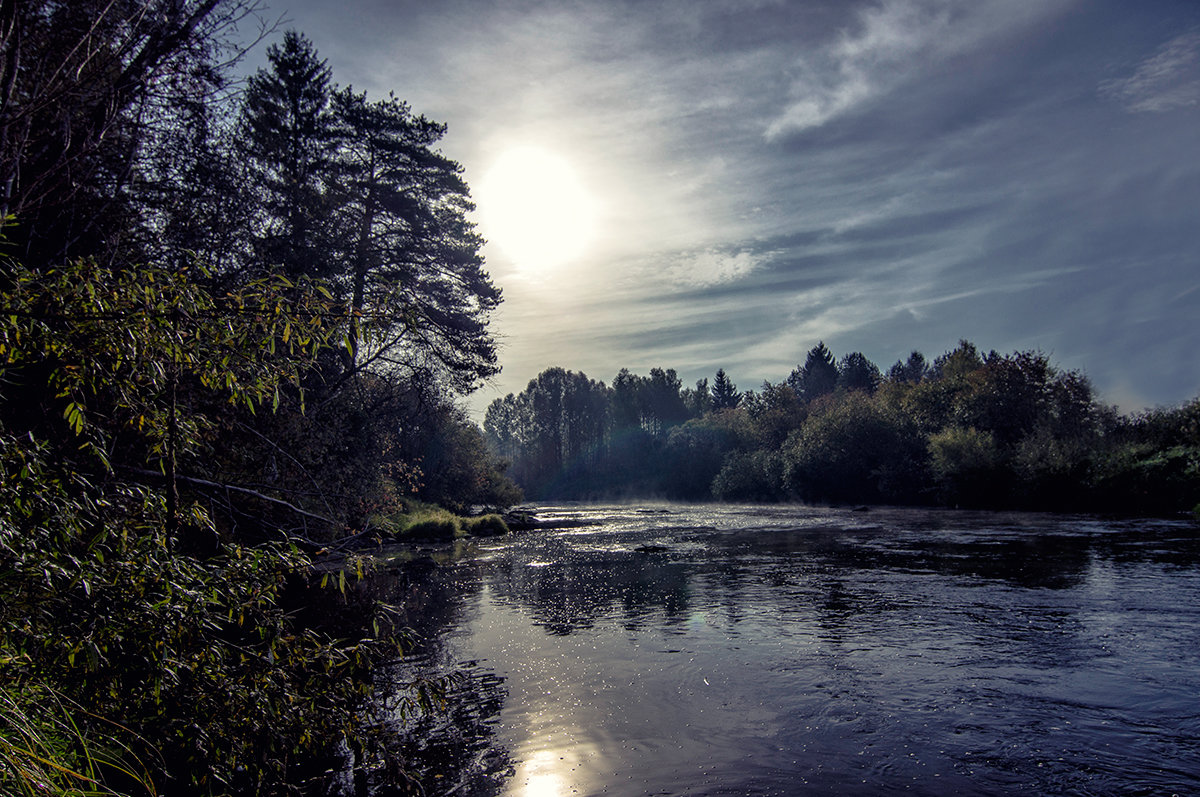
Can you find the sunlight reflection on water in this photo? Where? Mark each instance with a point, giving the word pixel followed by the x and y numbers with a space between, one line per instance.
pixel 735 650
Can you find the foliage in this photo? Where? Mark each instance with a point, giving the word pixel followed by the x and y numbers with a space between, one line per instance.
pixel 171 435
pixel 110 344
pixel 978 430
pixel 199 656
pixel 750 476
pixel 100 599
pixel 693 455
pixel 725 394
pixel 818 375
pixel 964 463
pixel 853 450
pixel 912 370
pixel 351 191
pixel 456 468
pixel 86 89
pixel 856 372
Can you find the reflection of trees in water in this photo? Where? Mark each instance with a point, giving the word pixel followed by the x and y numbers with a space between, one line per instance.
pixel 1034 560
pixel 450 749
pixel 567 596
pixel 454 750
pixel 834 584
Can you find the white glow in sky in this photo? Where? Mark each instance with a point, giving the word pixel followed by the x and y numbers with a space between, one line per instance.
pixel 723 183
pixel 533 205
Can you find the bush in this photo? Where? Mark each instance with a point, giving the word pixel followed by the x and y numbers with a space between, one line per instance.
pixel 201 656
pixel 965 464
pixel 854 449
pixel 749 476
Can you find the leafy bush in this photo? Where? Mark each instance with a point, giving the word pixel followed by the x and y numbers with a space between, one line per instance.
pixel 964 462
pixel 854 449
pixel 749 476
pixel 200 656
pixel 105 599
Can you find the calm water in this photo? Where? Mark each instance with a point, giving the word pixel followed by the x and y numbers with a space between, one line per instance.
pixel 756 651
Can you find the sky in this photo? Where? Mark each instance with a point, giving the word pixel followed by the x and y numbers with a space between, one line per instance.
pixel 724 183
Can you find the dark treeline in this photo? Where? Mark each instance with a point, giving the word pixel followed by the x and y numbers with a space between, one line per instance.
pixel 967 429
pixel 236 326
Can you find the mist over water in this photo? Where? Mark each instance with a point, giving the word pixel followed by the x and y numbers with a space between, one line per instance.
pixel 726 650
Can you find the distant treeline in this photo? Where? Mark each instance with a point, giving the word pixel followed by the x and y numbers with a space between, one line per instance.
pixel 968 429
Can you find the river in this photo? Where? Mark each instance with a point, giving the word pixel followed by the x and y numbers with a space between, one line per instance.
pixel 734 650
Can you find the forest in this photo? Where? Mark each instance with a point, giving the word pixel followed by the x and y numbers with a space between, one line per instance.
pixel 965 430
pixel 237 323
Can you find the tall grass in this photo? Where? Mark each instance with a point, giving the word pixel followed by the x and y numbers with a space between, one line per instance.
pixel 49 746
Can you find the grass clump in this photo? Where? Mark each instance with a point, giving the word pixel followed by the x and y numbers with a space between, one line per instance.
pixel 427 522
pixel 486 526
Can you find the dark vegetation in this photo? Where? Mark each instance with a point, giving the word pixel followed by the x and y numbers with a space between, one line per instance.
pixel 236 323
pixel 968 429
pixel 235 326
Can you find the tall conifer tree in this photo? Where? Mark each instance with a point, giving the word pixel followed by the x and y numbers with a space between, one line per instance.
pixel 408 255
pixel 289 139
pixel 725 394
pixel 817 376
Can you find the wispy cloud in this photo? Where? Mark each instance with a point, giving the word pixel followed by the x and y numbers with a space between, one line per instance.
pixel 713 267
pixel 1167 80
pixel 880 174
pixel 893 40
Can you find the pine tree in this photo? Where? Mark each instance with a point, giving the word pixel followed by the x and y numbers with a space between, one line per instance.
pixel 408 251
pixel 818 375
pixel 912 370
pixel 289 140
pixel 856 372
pixel 725 394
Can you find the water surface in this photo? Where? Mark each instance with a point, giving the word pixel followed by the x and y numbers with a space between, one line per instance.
pixel 786 650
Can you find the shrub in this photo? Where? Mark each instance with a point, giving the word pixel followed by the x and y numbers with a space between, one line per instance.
pixel 964 463
pixel 203 657
pixel 853 449
pixel 749 476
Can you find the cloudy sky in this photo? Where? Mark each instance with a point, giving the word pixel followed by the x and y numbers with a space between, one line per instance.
pixel 726 182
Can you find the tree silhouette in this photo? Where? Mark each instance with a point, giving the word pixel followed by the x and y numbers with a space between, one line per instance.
pixel 289 144
pixel 817 377
pixel 856 372
pixel 912 370
pixel 725 394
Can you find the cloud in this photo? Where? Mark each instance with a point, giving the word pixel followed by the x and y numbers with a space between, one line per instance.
pixel 1167 80
pixel 712 267
pixel 892 41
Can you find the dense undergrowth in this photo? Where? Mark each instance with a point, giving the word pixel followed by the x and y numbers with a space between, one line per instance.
pixel 145 649
pixel 234 326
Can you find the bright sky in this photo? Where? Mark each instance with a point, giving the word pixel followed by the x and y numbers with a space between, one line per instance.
pixel 758 175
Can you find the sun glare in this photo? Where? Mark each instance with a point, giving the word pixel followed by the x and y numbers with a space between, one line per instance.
pixel 534 207
pixel 542 778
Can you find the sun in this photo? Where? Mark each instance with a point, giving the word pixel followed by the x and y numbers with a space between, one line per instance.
pixel 534 207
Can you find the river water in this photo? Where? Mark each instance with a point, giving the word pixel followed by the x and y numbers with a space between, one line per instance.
pixel 733 650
